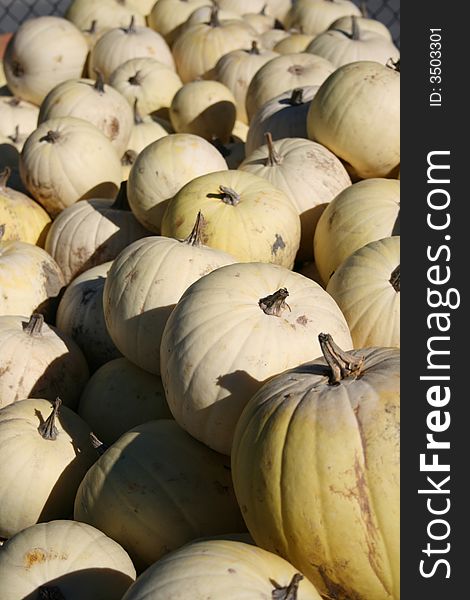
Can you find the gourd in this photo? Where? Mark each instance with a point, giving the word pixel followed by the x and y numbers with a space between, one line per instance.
pixel 260 21
pixel 145 283
pixel 270 38
pixel 365 23
pixel 162 169
pixel 67 558
pixel 107 14
pixel 52 445
pixel 39 361
pixel 18 118
pixel 285 73
pixel 314 16
pixel 80 316
pixel 295 42
pixel 121 395
pixel 221 569
pixel 188 492
pixel 245 216
pixel 68 159
pixel 203 15
pixel 315 463
pixel 222 341
pixel 366 286
pixel 168 16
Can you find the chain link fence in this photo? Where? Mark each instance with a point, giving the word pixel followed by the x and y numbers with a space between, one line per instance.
pixel 14 12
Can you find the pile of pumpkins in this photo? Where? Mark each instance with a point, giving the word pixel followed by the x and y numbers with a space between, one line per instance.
pixel 199 303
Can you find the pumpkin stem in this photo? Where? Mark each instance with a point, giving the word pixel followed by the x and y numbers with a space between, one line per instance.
pixel 229 196
pixel 135 79
pixel 17 68
pixel 48 430
pixel 34 326
pixel 2 231
pixel 51 137
pixel 395 279
pixel 342 364
pixel 4 177
pixel 254 48
pixel 92 29
pixel 214 19
pixel 297 97
pixel 99 83
pixel 274 304
pixel 274 158
pixel 121 202
pixel 138 120
pixel 131 29
pixel 195 237
pixel 391 64
pixel 263 10
pixel 355 32
pixel 296 69
pixel 97 444
pixel 13 101
pixel 128 158
pixel 289 592
pixel 49 592
pixel 363 9
pixel 16 136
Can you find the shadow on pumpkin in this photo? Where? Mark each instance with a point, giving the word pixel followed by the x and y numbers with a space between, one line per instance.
pixel 217 120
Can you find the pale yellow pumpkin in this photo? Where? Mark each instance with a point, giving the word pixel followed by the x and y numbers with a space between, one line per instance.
pixel 43 52
pixel 240 131
pixel 30 279
pixel 121 395
pixel 242 6
pixel 204 108
pixel 222 570
pixel 365 23
pixel 162 169
pixel 39 361
pixel 90 233
pixel 107 14
pixel 145 131
pixel 308 173
pixel 364 212
pixel 150 82
pixel 260 21
pixel 285 116
pixel 24 219
pixel 95 102
pixel 73 558
pixel 203 15
pixel 342 46
pixel 372 109
pixel 366 286
pixel 18 118
pixel 69 159
pixel 118 45
pixel 143 286
pixel 188 492
pixel 270 38
pixel 52 445
pixel 314 16
pixel 285 73
pixel 259 320
pixel 168 16
pixel 278 8
pixel 236 69
pixel 245 216
pixel 197 50
pixel 80 316
pixel 315 463
pixel 295 42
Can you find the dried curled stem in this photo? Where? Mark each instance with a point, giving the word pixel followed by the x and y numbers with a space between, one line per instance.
pixel 288 592
pixel 195 237
pixel 395 279
pixel 34 326
pixel 274 304
pixel 342 364
pixel 48 430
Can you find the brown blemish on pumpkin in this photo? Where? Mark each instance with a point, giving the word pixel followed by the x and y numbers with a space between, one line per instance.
pixel 58 58
pixel 296 69
pixel 52 280
pixel 279 244
pixel 302 320
pixel 230 570
pixel 38 556
pixel 113 128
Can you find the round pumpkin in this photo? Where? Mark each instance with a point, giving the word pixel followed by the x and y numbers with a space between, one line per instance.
pixel 143 286
pixel 120 44
pixel 68 159
pixel 145 131
pixel 51 444
pixel 365 23
pixel 95 102
pixel 107 14
pixel 315 463
pixel 295 42
pixel 221 570
pixel 80 316
pixel 162 169
pixel 24 219
pixel 270 38
pixel 362 213
pixel 314 16
pixel 157 488
pixel 366 286
pixel 245 216
pixel 248 312
pixel 204 108
pixel 121 395
pixel 260 21
pixel 309 174
pixel 39 361
pixel 285 73
pixel 373 109
pixel 18 118
pixel 242 6
pixel 43 52
pixel 66 557
pixel 168 16
pixel 203 15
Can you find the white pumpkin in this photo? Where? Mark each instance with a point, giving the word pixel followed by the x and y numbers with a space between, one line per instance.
pixel 107 14
pixel 270 38
pixel 224 339
pixel 203 15
pixel 314 16
pixel 168 16
pixel 295 42
pixel 18 118
pixel 365 23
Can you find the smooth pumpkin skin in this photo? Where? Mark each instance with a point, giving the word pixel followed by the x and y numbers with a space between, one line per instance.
pixel 372 91
pixel 263 226
pixel 14 113
pixel 316 473
pixel 295 42
pixel 364 212
pixel 218 569
pixel 270 38
pixel 107 13
pixel 363 289
pixel 75 557
pixel 42 484
pixel 314 16
pixel 39 363
pixel 365 23
pixel 219 346
pixel 157 488
pixel 163 168
pixel 168 16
